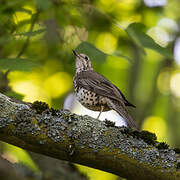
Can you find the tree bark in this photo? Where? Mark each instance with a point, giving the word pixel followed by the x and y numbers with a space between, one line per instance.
pixel 84 140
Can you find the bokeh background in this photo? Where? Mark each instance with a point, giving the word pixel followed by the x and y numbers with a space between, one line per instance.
pixel 134 43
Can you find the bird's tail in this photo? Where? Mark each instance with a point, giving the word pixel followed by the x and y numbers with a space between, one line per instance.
pixel 129 120
pixel 121 110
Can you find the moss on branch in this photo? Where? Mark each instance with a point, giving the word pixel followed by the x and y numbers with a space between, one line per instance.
pixel 87 141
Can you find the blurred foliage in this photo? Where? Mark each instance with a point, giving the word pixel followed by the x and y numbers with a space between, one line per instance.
pixel 131 42
pixel 17 154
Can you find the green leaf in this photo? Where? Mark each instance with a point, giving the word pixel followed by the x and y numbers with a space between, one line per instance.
pixel 17 64
pixel 116 53
pixel 95 53
pixel 137 34
pixel 91 51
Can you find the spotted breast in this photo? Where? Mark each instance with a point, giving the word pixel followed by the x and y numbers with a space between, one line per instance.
pixel 90 99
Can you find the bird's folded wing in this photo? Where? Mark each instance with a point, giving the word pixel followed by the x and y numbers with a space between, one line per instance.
pixel 96 83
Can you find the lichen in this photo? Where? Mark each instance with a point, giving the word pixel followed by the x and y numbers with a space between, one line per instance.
pixel 34 121
pixel 109 123
pixel 177 150
pixel 178 165
pixel 23 122
pixel 53 111
pixel 39 106
pixel 162 145
pixel 148 137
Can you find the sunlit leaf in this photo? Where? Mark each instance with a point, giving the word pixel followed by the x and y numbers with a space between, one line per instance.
pixel 95 53
pixel 17 64
pixel 25 10
pixel 23 22
pixel 21 155
pixel 137 34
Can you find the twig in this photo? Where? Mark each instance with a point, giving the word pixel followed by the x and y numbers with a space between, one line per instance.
pixel 25 45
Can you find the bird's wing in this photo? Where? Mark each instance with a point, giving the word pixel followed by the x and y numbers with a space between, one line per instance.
pixel 127 103
pixel 95 82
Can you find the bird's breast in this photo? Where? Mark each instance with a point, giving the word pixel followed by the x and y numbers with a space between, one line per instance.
pixel 90 99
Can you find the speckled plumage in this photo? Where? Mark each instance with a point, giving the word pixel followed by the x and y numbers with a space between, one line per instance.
pixel 90 99
pixel 97 93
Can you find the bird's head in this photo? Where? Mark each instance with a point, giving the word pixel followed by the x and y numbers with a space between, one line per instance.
pixel 82 62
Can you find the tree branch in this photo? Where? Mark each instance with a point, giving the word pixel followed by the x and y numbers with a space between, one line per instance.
pixel 87 141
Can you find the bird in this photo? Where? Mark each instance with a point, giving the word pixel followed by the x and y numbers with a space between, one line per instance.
pixel 97 93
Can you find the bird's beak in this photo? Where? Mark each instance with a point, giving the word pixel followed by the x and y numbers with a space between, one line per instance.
pixel 75 53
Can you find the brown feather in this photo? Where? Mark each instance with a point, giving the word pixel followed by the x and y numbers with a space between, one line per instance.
pixel 115 105
pixel 95 82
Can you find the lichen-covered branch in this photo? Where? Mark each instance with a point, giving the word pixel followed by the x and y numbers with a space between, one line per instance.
pixel 87 141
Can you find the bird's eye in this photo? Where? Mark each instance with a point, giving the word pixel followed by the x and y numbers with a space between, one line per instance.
pixel 86 58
